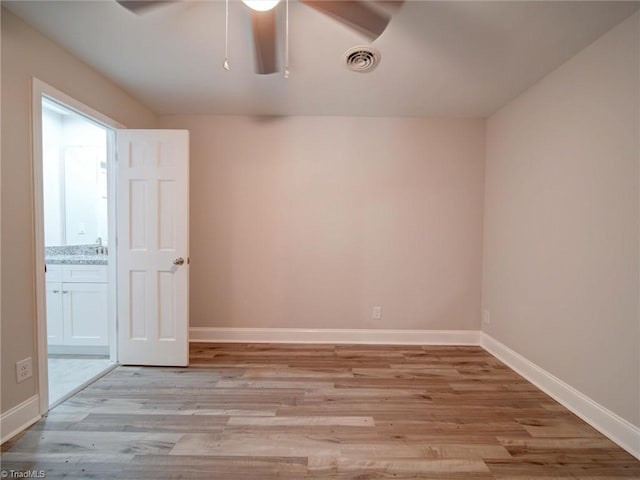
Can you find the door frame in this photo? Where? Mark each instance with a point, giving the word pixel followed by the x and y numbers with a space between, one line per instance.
pixel 40 89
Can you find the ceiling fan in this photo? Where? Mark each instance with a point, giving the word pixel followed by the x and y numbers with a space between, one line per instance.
pixel 369 18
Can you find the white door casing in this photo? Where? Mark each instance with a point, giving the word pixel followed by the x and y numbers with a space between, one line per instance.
pixel 153 235
pixel 40 90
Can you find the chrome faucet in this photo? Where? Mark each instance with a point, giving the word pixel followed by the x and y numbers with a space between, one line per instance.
pixel 100 249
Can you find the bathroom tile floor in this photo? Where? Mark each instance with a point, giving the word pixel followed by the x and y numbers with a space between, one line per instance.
pixel 68 372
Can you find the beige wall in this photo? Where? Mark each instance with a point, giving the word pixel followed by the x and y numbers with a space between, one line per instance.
pixel 309 222
pixel 561 223
pixel 26 53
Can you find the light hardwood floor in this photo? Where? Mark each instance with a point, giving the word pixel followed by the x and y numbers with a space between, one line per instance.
pixel 317 411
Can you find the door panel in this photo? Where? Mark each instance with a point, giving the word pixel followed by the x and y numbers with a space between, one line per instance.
pixel 153 213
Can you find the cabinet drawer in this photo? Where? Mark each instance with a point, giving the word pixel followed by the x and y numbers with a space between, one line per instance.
pixel 84 273
pixel 54 273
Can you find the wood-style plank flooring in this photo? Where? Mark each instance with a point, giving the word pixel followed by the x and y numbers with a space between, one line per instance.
pixel 317 411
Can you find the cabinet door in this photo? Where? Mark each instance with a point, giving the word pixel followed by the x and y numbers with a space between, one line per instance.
pixel 85 314
pixel 54 273
pixel 55 329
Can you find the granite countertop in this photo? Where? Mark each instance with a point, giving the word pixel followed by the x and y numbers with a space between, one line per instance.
pixel 76 255
pixel 75 259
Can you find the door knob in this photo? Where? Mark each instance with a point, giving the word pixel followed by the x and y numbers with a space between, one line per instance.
pixel 178 261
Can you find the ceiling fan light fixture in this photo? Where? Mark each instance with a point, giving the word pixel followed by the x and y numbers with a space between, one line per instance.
pixel 261 5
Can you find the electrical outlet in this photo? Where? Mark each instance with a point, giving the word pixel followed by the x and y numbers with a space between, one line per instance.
pixel 486 317
pixel 377 313
pixel 24 370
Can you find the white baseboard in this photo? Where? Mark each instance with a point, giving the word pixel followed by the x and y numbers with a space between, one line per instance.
pixel 608 423
pixel 338 336
pixel 18 418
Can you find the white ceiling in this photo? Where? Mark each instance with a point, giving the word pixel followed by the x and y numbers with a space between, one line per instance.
pixel 443 58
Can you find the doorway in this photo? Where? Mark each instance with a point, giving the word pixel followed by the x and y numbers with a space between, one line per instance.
pixel 73 163
pixel 74 181
pixel 146 275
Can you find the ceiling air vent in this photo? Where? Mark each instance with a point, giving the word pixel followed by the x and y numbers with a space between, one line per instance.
pixel 361 59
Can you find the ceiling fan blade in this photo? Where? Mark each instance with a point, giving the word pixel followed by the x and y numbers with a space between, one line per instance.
pixel 365 17
pixel 140 6
pixel 264 38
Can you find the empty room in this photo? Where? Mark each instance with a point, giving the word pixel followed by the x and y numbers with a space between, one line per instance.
pixel 304 239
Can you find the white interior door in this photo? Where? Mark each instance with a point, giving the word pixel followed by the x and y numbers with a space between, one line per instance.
pixel 153 247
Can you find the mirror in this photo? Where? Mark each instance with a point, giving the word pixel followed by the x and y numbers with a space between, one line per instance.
pixel 75 178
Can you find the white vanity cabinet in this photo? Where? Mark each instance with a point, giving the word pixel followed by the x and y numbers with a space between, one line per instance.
pixel 55 330
pixel 77 305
